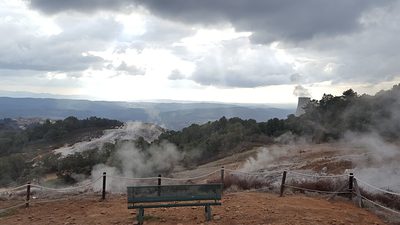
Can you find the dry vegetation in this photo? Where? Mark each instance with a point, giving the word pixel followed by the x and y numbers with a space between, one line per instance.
pixel 237 208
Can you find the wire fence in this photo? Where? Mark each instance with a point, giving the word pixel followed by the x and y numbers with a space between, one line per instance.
pixel 317 175
pixel 381 206
pixel 342 184
pixel 319 183
pixel 5 191
pixel 68 189
pixel 377 188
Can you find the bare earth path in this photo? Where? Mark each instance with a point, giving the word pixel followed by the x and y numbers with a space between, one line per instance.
pixel 237 208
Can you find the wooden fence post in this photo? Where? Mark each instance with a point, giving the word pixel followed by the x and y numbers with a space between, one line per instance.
pixel 159 185
pixel 222 178
pixel 359 198
pixel 283 182
pixel 28 194
pixel 103 196
pixel 351 180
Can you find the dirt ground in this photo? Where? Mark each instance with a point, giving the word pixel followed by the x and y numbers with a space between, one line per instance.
pixel 237 208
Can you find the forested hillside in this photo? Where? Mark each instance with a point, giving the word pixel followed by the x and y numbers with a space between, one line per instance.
pixel 19 147
pixel 15 140
pixel 324 120
pixel 333 116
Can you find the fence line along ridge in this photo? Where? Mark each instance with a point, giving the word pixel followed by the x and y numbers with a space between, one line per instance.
pixel 317 176
pixel 383 207
pixel 377 188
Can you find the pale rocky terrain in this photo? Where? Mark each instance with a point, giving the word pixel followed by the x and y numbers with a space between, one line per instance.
pixel 238 206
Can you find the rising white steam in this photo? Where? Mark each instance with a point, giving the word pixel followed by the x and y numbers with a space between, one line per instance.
pixel 266 157
pixel 300 91
pixel 373 159
pixel 380 166
pixel 132 161
pixel 136 163
pixel 130 131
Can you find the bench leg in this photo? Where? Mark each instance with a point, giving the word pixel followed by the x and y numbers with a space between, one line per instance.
pixel 140 215
pixel 208 212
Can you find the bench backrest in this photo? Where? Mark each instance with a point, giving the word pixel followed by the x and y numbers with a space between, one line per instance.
pixel 168 193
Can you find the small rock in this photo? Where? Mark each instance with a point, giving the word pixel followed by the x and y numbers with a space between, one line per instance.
pixel 217 217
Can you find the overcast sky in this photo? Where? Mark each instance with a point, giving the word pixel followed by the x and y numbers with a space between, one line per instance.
pixel 258 51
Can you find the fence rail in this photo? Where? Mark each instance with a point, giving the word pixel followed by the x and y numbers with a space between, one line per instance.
pixel 377 188
pixel 346 189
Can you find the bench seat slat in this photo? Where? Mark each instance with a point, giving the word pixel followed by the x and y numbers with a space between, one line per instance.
pixel 171 190
pixel 173 205
pixel 173 198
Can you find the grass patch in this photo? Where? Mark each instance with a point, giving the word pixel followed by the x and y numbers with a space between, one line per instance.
pixel 8 212
pixel 151 218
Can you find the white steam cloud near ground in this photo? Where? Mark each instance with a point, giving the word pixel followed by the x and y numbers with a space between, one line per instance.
pixel 136 163
pixel 380 166
pixel 375 161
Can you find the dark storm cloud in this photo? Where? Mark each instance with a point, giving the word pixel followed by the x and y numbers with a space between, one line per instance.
pixel 55 6
pixel 270 20
pixel 339 41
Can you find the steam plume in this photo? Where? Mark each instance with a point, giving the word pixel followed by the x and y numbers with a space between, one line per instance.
pixel 300 91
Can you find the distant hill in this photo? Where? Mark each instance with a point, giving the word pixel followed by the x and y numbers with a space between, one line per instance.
pixel 171 115
pixel 202 115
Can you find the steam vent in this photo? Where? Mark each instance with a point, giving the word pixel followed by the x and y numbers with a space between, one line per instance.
pixel 303 101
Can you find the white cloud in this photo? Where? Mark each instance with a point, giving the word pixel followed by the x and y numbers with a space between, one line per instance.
pixel 215 50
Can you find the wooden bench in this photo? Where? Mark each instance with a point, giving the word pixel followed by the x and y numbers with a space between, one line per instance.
pixel 141 197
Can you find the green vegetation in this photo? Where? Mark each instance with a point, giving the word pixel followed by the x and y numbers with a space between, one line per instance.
pixel 216 139
pixel 324 120
pixel 19 146
pixel 49 133
pixel 333 116
pixel 13 168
